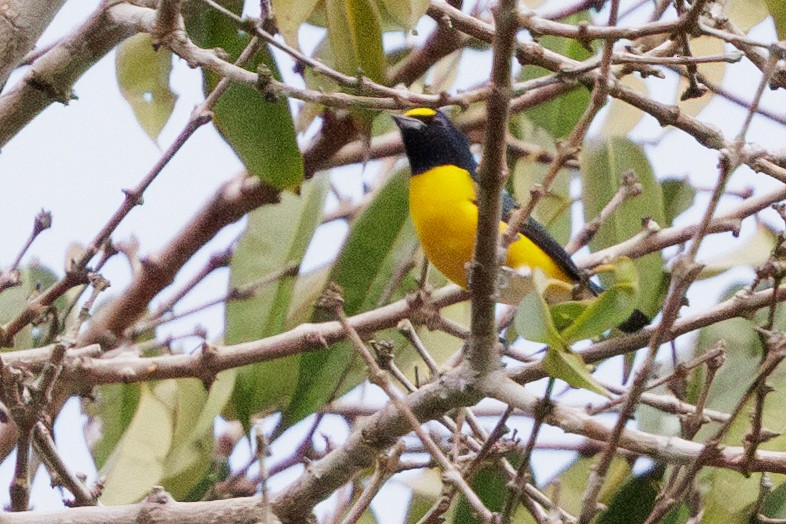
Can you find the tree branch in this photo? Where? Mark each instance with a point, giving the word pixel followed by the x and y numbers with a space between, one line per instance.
pixel 492 174
pixel 21 24
pixel 52 76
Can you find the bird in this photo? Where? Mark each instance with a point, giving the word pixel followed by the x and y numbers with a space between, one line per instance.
pixel 444 211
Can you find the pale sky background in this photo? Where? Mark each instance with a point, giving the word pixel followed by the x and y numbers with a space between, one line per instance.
pixel 74 160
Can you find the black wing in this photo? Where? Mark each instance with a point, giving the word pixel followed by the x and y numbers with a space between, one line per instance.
pixel 538 234
pixel 533 230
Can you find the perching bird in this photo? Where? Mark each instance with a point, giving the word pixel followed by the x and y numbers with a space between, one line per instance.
pixel 443 206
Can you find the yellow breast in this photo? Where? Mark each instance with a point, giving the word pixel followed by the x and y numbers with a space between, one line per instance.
pixel 443 210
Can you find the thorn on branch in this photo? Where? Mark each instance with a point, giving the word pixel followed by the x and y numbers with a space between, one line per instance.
pixel 582 37
pixel 694 90
pixel 9 279
pixel 132 196
pixel 265 83
pixel 42 222
pixel 423 311
pixel 332 297
pixel 383 349
pixel 200 331
pixel 158 495
pixel 220 54
pixel 64 96
pixel 209 353
pixel 314 338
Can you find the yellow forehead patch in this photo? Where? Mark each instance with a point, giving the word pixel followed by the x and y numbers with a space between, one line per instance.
pixel 421 112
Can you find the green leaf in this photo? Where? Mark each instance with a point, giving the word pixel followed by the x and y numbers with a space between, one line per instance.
pixel 566 365
pixel 143 77
pixel 570 484
pixel 534 322
pixel 754 252
pixel 381 241
pixel 290 16
pixel 490 485
pixel 622 117
pixel 187 467
pixel 276 237
pixel 678 195
pixel 739 368
pixel 533 317
pixel 260 131
pixel 602 165
pixel 559 116
pixel 367 518
pixel 747 13
pixel 108 418
pixel 775 503
pixel 611 308
pixel 307 290
pixel 730 496
pixel 318 82
pixel 443 74
pixel 553 210
pixel 355 33
pixel 405 13
pixel 741 363
pixel 137 462
pixel 426 487
pixel 565 313
pixel 177 453
pixel 633 501
pixel 680 514
pixel 34 279
pixel 778 11
pixel 191 454
pixel 441 346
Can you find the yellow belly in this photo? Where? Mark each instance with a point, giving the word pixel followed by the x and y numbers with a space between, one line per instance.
pixel 443 210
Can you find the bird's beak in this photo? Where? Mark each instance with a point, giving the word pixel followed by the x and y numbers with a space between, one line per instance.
pixel 407 122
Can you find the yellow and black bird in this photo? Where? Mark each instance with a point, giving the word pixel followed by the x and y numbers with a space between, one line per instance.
pixel 443 206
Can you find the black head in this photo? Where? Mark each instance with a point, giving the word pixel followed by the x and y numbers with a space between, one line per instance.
pixel 431 140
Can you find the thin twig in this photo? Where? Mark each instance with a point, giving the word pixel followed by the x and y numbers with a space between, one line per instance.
pixel 216 261
pixel 239 293
pixel 386 465
pixel 627 58
pixel 684 272
pixel 568 149
pixel 377 376
pixel 517 486
pixel 406 328
pixel 717 352
pixel 711 448
pixel 45 447
pixel 629 187
pixel 42 222
pixel 262 455
pixel 692 424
